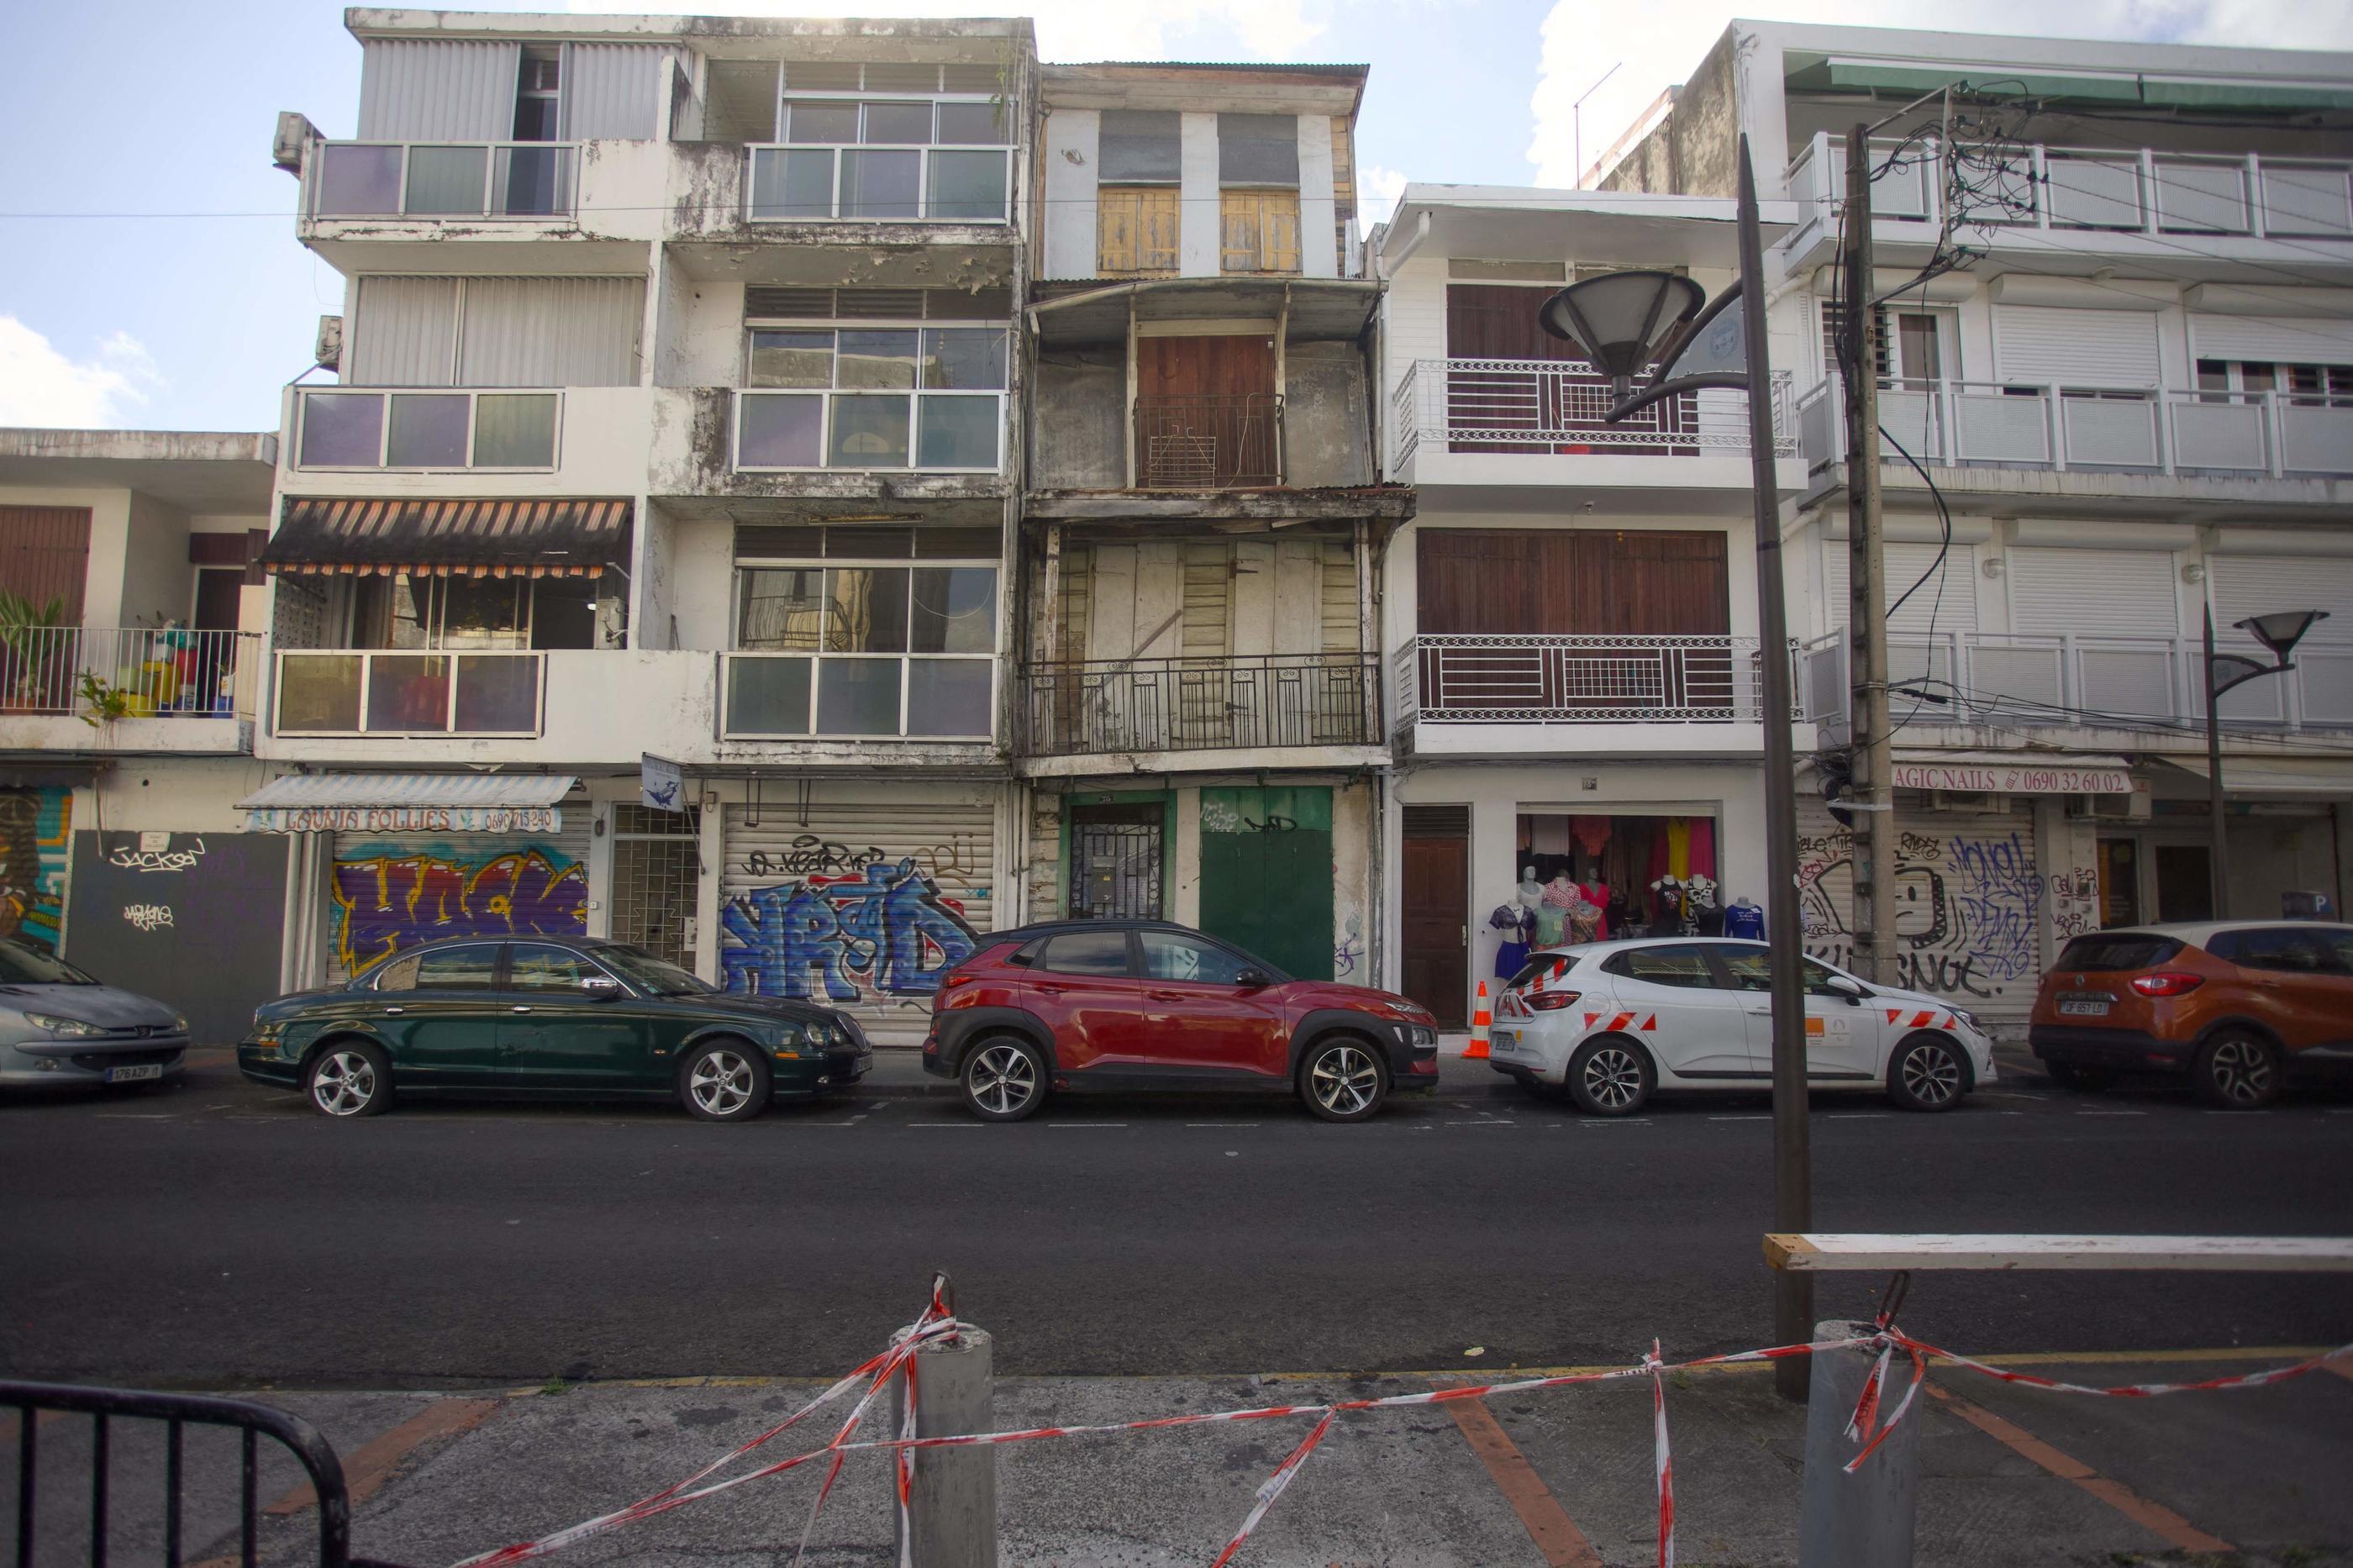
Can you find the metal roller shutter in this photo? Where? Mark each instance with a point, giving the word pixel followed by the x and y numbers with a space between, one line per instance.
pixel 862 898
pixel 2122 592
pixel 1953 610
pixel 1967 898
pixel 2258 584
pixel 2271 339
pixel 387 892
pixel 2079 347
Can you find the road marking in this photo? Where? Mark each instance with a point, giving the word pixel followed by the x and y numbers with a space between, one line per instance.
pixel 1740 1119
pixel 1548 1524
pixel 1086 1124
pixel 135 1116
pixel 1856 1115
pixel 2117 1113
pixel 2162 1521
pixel 975 1124
pixel 1221 1125
pixel 2277 1355
pixel 372 1464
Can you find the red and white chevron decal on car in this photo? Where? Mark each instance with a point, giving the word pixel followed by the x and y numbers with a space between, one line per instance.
pixel 1624 1021
pixel 1922 1020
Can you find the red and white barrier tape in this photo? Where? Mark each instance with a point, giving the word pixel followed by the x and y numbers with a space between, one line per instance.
pixel 937 1323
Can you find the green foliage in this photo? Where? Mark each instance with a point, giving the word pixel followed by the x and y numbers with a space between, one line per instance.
pixel 103 701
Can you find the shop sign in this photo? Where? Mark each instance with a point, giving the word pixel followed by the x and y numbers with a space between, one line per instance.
pixel 405 820
pixel 2007 779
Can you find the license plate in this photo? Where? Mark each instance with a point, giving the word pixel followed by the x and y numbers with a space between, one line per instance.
pixel 134 1073
pixel 1506 1040
pixel 2084 1006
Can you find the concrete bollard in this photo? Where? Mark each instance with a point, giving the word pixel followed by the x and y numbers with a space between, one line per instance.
pixel 1863 1519
pixel 952 1506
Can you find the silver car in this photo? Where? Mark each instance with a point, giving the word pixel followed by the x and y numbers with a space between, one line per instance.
pixel 58 1025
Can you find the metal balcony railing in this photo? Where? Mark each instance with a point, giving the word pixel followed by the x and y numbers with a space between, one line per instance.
pixel 441 180
pixel 1506 678
pixel 2120 429
pixel 458 428
pixel 1557 407
pixel 159 673
pixel 1236 702
pixel 2081 680
pixel 453 691
pixel 1202 441
pixel 873 183
pixel 2118 190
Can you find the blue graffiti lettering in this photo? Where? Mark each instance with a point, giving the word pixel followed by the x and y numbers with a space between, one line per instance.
pixel 888 927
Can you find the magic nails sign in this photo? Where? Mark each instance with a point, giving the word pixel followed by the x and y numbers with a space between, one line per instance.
pixel 2012 779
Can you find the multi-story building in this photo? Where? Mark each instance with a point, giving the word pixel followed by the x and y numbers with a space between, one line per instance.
pixel 676 416
pixel 1569 625
pixel 130 662
pixel 2128 407
pixel 1198 719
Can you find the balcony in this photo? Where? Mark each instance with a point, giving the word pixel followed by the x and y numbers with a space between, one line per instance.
pixel 435 180
pixel 2110 429
pixel 1553 409
pixel 1208 442
pixel 871 183
pixel 352 692
pixel 134 688
pixel 461 431
pixel 925 431
pixel 1234 703
pixel 857 697
pixel 1568 694
pixel 2078 682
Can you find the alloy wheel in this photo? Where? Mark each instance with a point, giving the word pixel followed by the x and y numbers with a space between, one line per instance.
pixel 343 1083
pixel 2242 1071
pixel 722 1083
pixel 1613 1078
pixel 1343 1080
pixel 1002 1080
pixel 1931 1075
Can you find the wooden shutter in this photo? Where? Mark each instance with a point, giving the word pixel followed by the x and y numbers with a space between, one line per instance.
pixel 1136 229
pixel 1208 600
pixel 1259 231
pixel 1667 583
pixel 45 555
pixel 1470 581
pixel 1497 321
pixel 1342 629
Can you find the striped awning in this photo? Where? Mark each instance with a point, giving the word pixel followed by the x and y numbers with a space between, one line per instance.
pixel 333 535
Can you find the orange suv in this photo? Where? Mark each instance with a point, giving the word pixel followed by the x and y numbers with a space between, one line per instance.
pixel 2237 1005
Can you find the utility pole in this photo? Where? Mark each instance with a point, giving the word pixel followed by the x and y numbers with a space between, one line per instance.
pixel 1871 784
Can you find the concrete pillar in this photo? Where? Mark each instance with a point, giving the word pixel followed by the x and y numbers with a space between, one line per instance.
pixel 1863 1519
pixel 951 1519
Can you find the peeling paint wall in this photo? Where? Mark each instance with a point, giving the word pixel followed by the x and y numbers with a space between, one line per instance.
pixel 1694 151
pixel 1325 435
pixel 1078 437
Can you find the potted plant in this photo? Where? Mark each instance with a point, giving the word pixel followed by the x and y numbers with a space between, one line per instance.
pixel 32 654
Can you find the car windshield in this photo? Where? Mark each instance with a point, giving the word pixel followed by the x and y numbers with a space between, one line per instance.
pixel 656 976
pixel 22 965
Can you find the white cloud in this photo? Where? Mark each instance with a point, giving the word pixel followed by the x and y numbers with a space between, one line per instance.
pixel 1658 44
pixel 1378 190
pixel 1069 29
pixel 39 386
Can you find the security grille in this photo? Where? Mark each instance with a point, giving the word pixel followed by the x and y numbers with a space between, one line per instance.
pixel 657 878
pixel 1115 862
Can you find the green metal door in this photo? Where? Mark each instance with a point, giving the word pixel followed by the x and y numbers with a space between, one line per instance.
pixel 1266 875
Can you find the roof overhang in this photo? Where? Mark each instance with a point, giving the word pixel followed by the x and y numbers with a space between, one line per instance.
pixel 198 472
pixel 351 537
pixel 2318 777
pixel 408 803
pixel 1328 308
pixel 1607 228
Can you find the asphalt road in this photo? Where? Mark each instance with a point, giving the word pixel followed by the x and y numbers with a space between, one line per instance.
pixel 214 1233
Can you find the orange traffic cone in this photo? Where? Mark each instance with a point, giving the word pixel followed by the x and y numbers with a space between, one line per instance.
pixel 1480 1019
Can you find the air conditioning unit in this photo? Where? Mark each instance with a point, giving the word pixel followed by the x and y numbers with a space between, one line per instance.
pixel 295 132
pixel 2133 808
pixel 328 351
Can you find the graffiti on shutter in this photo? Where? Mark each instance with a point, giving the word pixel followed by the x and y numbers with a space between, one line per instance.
pixel 388 893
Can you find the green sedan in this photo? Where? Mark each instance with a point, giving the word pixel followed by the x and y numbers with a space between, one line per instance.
pixel 573 1018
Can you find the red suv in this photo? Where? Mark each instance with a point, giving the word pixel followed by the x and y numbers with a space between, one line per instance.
pixel 1147 1005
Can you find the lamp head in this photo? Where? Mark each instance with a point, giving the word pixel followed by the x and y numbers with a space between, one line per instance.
pixel 2281 631
pixel 1619 319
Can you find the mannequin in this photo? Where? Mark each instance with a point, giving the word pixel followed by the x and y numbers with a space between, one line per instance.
pixel 1667 906
pixel 1744 920
pixel 1577 913
pixel 1703 916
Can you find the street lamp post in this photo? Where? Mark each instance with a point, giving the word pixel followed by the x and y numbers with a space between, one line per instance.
pixel 2280 633
pixel 1625 320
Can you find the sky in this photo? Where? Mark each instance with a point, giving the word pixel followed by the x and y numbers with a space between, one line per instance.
pixel 149 277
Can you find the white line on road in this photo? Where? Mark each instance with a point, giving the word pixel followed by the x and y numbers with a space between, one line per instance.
pixel 2122 1113
pixel 973 1124
pixel 1086 1124
pixel 1856 1115
pixel 1221 1125
pixel 1740 1119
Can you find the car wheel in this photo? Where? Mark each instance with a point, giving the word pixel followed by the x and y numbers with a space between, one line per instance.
pixel 2082 1080
pixel 1343 1079
pixel 2238 1071
pixel 1926 1073
pixel 726 1080
pixel 349 1077
pixel 1611 1077
pixel 1004 1079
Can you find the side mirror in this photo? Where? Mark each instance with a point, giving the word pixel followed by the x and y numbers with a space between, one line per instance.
pixel 600 988
pixel 1251 979
pixel 1850 989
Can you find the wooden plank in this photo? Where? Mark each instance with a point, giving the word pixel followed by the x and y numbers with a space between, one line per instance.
pixel 1870 1252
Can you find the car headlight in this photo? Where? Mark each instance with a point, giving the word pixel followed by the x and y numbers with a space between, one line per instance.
pixel 68 1028
pixel 266 1031
pixel 1966 1016
pixel 179 1023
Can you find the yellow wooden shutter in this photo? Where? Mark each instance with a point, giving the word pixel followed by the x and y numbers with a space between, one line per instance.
pixel 1279 231
pixel 1156 229
pixel 1135 229
pixel 1115 229
pixel 1238 231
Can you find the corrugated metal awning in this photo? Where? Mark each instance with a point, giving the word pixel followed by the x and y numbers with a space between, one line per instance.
pixel 449 537
pixel 408 803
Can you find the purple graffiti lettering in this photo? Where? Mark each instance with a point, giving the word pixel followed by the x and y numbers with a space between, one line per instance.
pixel 385 903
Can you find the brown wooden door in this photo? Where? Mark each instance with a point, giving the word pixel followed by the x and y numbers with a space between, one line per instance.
pixel 45 554
pixel 1219 366
pixel 1437 915
pixel 219 591
pixel 1206 413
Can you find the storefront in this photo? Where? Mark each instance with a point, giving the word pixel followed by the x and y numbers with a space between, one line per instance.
pixel 2285 823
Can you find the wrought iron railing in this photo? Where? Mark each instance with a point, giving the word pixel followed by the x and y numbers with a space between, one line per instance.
pixel 1202 441
pixel 1236 701
pixel 132 672
pixel 1579 679
pixel 1557 407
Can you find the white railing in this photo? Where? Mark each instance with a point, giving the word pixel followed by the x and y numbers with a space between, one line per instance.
pixel 454 428
pixel 2079 680
pixel 937 432
pixel 1557 407
pixel 1506 678
pixel 2061 426
pixel 156 672
pixel 869 183
pixel 451 692
pixel 441 180
pixel 2121 190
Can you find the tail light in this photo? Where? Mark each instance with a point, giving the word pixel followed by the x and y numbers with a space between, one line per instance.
pixel 1548 1001
pixel 2166 983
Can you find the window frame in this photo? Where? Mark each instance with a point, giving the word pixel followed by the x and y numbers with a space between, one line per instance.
pixel 386 396
pixel 1711 977
pixel 862 99
pixel 1127 937
pixel 498 968
pixel 826 396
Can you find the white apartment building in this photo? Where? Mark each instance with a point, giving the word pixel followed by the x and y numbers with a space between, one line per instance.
pixel 2134 401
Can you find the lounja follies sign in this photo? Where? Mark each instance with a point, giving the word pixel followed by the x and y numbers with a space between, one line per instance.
pixel 404 819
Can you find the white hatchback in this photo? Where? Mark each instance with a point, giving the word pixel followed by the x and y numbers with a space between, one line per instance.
pixel 1611 1021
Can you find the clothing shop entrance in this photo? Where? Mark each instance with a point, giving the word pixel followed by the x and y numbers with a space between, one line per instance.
pixel 1600 876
